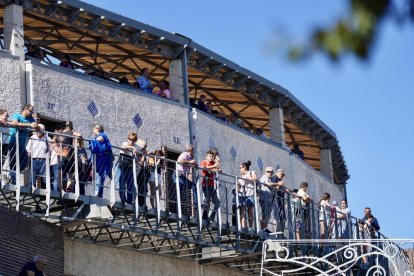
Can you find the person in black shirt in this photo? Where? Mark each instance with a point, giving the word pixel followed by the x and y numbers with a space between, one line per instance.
pixel 35 267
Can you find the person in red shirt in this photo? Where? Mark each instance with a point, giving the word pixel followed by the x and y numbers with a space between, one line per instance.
pixel 210 192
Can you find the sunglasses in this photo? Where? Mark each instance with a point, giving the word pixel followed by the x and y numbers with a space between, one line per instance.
pixel 269 171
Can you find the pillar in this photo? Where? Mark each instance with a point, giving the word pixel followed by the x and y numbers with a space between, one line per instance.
pixel 179 79
pixel 277 129
pixel 326 163
pixel 14 41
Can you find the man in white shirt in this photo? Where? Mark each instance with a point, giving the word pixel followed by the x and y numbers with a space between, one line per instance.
pixel 37 148
pixel 304 199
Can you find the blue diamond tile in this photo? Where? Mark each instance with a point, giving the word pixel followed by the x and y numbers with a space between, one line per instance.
pixel 211 143
pixel 233 153
pixel 93 109
pixel 260 163
pixel 137 120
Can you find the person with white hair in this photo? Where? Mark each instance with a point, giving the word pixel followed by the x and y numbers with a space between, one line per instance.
pixel 34 268
pixel 37 148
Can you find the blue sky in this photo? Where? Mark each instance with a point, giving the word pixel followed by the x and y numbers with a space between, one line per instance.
pixel 368 105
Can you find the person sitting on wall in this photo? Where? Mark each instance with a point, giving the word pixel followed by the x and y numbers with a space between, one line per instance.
pixel 201 103
pixel 164 90
pixel 298 152
pixel 66 62
pixel 102 151
pixel 35 267
pixel 143 81
pixel 124 82
pixel 259 132
pixel 34 52
pixel 234 120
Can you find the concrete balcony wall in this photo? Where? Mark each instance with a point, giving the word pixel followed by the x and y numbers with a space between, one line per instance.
pixel 65 95
pixel 9 82
pixel 236 145
pixel 115 261
pixel 62 94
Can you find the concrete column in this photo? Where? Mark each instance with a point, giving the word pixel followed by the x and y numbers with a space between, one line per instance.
pixel 326 163
pixel 277 129
pixel 14 41
pixel 179 79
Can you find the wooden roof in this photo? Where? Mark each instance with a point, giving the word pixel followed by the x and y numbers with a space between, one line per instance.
pixel 122 47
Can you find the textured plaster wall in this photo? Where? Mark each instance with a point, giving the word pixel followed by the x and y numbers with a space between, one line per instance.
pixel 9 82
pixel 65 95
pixel 84 259
pixel 236 146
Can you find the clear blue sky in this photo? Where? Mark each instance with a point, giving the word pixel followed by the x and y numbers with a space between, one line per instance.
pixel 369 106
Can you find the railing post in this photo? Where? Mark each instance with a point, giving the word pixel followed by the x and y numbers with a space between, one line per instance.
pixel 199 211
pixel 17 171
pixel 157 194
pixel 134 173
pixel 238 229
pixel 291 226
pixel 177 188
pixel 218 214
pixel 256 205
pixel 77 186
pixel 47 179
pixel 112 189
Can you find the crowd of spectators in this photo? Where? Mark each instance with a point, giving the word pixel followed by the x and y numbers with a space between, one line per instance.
pixel 270 196
pixel 142 82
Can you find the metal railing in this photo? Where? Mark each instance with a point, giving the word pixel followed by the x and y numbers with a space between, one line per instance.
pixel 65 168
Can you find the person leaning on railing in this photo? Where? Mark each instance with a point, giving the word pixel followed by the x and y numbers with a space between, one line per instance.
pixel 102 152
pixel 267 184
pixel 38 148
pixel 124 170
pixel 209 167
pixel 303 209
pixel 185 163
pixel 246 192
pixel 23 121
pixel 4 130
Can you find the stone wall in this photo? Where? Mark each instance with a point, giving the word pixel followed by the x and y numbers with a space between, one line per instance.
pixel 210 132
pixel 91 259
pixel 9 82
pixel 62 94
pixel 22 237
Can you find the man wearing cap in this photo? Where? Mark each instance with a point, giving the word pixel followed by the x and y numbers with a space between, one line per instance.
pixel 37 148
pixel 267 181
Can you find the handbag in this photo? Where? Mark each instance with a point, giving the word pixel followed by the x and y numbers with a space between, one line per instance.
pixel 63 152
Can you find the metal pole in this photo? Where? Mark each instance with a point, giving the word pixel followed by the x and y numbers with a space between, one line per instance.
pixel 237 213
pixel 77 188
pixel 17 171
pixel 47 179
pixel 199 211
pixel 177 188
pixel 157 193
pixel 256 212
pixel 217 185
pixel 134 173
